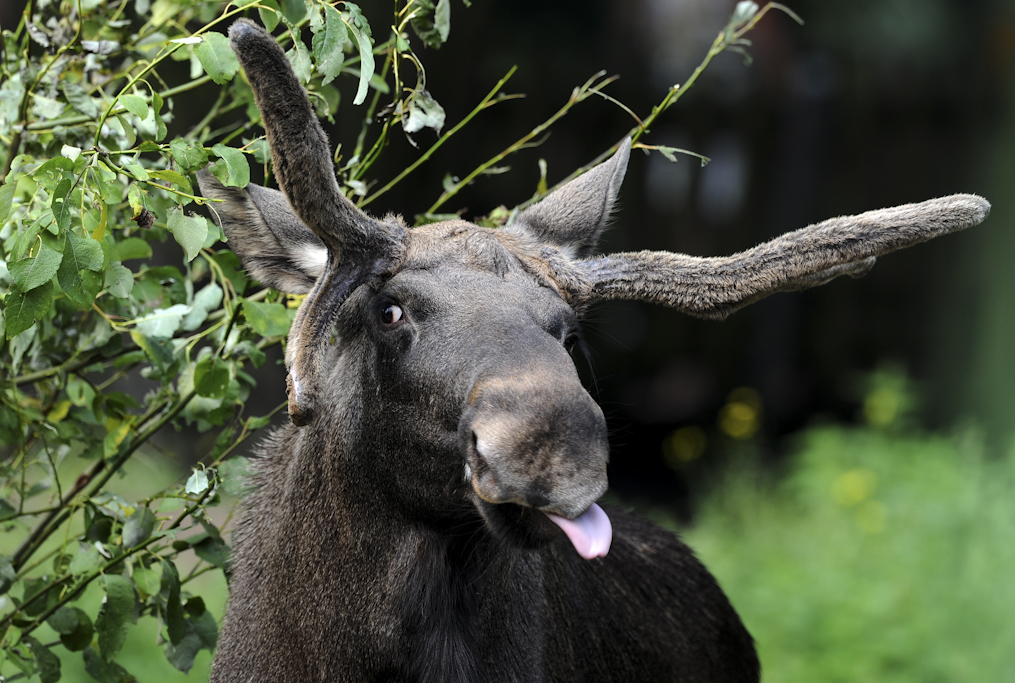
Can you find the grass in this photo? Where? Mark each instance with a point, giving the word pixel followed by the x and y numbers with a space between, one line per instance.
pixel 880 557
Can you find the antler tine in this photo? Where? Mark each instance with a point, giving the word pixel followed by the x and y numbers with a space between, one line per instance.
pixel 301 155
pixel 716 287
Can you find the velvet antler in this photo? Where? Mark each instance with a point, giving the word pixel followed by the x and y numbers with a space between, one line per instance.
pixel 358 246
pixel 716 287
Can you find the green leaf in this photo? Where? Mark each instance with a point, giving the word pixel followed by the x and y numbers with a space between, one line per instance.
pixel 62 208
pixel 299 57
pixel 24 309
pixel 79 99
pixel 7 197
pixel 160 124
pixel 198 482
pixel 47 663
pixel 188 156
pixel 138 171
pixel 74 637
pixel 131 248
pixel 232 169
pixel 159 351
pixel 257 422
pixel 27 238
pixel 163 322
pixel 176 623
pixel 116 616
pixel 205 625
pixel 211 377
pixel 128 130
pixel 87 560
pixel 105 672
pixel 52 172
pixel 235 475
pixel 138 527
pixel 182 655
pixel 217 57
pixel 294 10
pixel 148 579
pixel 64 620
pixel 76 275
pixel 32 272
pixel 119 280
pixel 7 574
pixel 432 25
pixel 268 320
pixel 442 19
pixel 135 105
pixel 213 551
pixel 189 232
pixel 205 301
pixel 357 23
pixel 74 626
pixel 173 177
pixel 328 45
pixel 135 197
pixel 269 17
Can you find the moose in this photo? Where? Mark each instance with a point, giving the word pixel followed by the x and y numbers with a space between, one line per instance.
pixel 430 514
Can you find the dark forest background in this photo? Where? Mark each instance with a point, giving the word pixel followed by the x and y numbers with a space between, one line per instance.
pixel 869 104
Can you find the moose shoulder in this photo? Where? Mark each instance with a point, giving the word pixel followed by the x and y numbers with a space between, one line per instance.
pixel 431 514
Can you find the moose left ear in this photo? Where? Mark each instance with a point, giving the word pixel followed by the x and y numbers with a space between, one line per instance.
pixel 573 217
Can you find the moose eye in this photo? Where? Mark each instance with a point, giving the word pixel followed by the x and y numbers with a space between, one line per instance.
pixel 391 315
pixel 571 341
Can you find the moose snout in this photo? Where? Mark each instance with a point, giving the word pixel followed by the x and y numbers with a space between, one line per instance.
pixel 534 442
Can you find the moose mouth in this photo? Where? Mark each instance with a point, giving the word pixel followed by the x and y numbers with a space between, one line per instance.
pixel 591 532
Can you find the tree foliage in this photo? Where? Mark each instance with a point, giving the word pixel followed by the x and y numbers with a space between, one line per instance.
pixel 95 173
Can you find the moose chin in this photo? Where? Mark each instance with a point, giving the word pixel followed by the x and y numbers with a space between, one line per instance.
pixel 430 514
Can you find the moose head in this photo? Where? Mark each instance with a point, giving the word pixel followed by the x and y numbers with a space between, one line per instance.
pixel 442 351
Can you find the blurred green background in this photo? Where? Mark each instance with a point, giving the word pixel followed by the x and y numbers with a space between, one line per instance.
pixel 842 458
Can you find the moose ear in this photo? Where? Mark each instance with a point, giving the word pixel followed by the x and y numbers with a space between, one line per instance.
pixel 573 217
pixel 274 245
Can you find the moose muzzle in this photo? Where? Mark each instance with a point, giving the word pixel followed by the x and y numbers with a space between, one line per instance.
pixel 537 439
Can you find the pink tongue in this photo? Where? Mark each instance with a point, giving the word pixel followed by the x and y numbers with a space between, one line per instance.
pixel 590 532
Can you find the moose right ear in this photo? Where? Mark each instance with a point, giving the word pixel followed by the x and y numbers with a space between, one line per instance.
pixel 274 245
pixel 573 217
